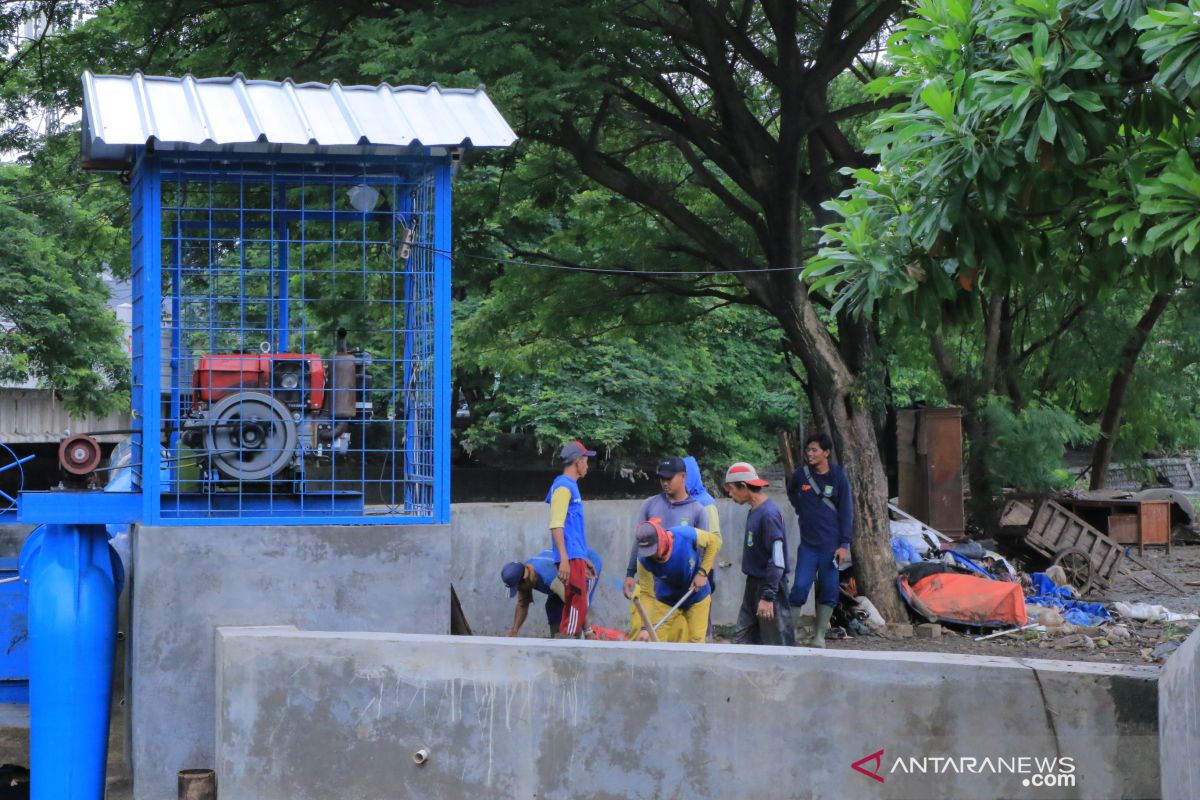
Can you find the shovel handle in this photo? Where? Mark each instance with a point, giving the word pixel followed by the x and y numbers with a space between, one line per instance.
pixel 641 609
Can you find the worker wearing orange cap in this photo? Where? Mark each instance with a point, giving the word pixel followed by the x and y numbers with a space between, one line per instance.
pixel 680 558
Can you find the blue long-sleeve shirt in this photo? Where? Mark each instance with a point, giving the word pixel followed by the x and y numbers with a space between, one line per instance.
pixel 821 527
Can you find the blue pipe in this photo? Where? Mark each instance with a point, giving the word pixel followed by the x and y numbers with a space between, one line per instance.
pixel 73 580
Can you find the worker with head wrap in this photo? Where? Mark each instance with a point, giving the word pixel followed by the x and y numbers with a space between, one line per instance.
pixel 680 559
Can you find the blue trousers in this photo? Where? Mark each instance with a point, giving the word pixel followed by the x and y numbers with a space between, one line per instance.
pixel 813 564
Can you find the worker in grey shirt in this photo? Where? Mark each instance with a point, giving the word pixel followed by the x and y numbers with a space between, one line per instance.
pixel 672 506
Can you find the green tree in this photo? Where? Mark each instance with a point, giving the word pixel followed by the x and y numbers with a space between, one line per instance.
pixel 1043 145
pixel 742 104
pixel 57 327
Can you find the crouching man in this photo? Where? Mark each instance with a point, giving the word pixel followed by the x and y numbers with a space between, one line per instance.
pixel 540 574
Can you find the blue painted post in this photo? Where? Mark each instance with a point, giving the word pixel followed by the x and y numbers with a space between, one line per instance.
pixel 281 323
pixel 147 266
pixel 72 636
pixel 442 242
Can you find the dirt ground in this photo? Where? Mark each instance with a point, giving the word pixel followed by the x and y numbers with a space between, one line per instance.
pixel 1101 644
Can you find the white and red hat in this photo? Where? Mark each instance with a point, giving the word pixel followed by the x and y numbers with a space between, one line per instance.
pixel 744 472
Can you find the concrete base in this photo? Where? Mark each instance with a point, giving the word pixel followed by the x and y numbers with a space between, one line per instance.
pixel 1179 721
pixel 321 715
pixel 191 580
pixel 488 535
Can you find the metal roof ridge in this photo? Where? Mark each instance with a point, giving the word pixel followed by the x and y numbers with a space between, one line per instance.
pixel 358 131
pixel 145 112
pixel 91 104
pixel 239 89
pixel 391 96
pixel 193 98
pixel 289 90
pixel 356 87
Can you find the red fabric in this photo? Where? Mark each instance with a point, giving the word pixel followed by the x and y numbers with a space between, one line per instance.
pixel 971 600
pixel 575 603
pixel 607 634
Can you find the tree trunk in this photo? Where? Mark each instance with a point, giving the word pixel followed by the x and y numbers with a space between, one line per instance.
pixel 1110 421
pixel 843 400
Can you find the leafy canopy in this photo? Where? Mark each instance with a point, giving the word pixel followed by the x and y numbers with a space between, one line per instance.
pixel 1053 140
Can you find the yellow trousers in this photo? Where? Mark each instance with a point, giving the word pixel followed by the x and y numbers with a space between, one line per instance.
pixel 690 625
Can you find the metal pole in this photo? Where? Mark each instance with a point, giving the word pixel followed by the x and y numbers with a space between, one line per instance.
pixel 673 608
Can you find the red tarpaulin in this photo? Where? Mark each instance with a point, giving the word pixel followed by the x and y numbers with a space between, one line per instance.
pixel 967 599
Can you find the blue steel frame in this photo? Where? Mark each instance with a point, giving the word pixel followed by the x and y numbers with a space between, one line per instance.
pixel 160 481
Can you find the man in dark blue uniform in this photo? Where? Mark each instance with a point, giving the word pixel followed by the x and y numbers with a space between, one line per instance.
pixel 820 494
pixel 765 616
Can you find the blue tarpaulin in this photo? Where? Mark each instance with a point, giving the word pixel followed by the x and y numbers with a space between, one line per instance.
pixel 1048 593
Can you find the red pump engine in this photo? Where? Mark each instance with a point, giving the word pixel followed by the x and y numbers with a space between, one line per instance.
pixel 259 415
pixel 297 380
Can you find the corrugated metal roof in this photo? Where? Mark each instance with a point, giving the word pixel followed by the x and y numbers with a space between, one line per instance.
pixel 121 112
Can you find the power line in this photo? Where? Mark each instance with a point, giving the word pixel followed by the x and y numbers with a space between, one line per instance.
pixel 608 270
pixel 14 200
pixel 507 261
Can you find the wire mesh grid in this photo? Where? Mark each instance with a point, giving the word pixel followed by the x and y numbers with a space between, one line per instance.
pixel 299 356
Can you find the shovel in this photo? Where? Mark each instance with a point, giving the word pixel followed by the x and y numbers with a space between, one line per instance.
pixel 674 608
pixel 641 609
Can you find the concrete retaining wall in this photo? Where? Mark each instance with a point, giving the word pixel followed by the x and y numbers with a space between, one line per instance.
pixel 190 580
pixel 321 715
pixel 487 535
pixel 1179 721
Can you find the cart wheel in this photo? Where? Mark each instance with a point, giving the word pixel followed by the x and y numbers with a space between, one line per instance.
pixel 1077 564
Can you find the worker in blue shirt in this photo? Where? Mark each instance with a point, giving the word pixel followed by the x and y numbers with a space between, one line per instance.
pixel 820 494
pixel 540 574
pixel 765 616
pixel 680 558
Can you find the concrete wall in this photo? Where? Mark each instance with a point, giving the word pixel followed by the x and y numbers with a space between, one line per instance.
pixel 322 715
pixel 191 580
pixel 1179 721
pixel 488 535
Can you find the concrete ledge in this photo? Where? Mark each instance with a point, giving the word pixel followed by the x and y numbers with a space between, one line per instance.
pixel 319 715
pixel 190 580
pixel 1179 721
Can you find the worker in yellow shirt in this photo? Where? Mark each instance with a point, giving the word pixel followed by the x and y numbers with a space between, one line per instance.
pixel 680 559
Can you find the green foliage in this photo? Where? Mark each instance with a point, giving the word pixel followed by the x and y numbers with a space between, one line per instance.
pixel 705 384
pixel 1038 143
pixel 1026 446
pixel 58 329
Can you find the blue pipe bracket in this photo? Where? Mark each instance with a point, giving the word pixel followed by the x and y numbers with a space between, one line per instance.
pixel 74 579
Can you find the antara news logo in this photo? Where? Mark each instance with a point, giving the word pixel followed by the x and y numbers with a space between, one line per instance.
pixel 1039 771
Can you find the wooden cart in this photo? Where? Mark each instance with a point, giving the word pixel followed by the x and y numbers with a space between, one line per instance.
pixel 1087 556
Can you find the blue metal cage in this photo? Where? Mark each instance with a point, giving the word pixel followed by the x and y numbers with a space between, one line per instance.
pixel 291 338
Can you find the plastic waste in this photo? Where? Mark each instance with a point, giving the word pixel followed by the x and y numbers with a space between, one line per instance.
pixel 1150 613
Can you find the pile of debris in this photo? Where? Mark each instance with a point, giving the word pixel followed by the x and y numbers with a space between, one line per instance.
pixel 971 587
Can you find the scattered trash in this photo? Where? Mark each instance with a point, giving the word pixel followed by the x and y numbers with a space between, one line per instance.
pixel 1165 649
pixel 1150 613
pixel 904 552
pixel 1031 626
pixel 1076 612
pixel 873 619
pixel 1078 640
pixel 1118 633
